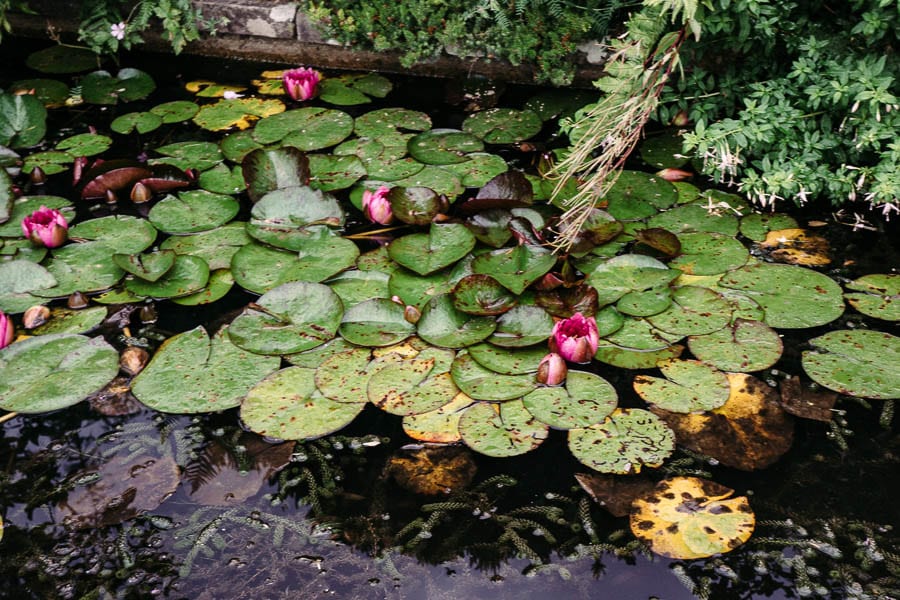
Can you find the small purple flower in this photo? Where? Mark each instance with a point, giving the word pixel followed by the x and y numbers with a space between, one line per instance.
pixel 117 31
pixel 47 227
pixel 552 370
pixel 301 83
pixel 7 331
pixel 575 338
pixel 377 207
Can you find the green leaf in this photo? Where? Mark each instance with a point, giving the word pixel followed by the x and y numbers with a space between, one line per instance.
pixel 515 268
pixel 742 347
pixel 878 295
pixel 376 322
pixel 193 211
pixel 148 267
pixel 501 430
pixel 442 325
pixel 483 384
pixel 124 234
pixel 585 400
pixel 23 121
pixel 690 386
pixel 17 278
pixel 413 386
pixel 503 125
pixel 856 363
pixel 624 443
pixel 188 274
pixel 100 87
pixel 215 246
pixel 426 253
pixel 66 320
pixel 86 267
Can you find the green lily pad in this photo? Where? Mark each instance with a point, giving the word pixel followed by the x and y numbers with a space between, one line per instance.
pixel 283 217
pixel 508 361
pixel 193 211
pixel 217 373
pixel 141 122
pixel 189 155
pixel 742 347
pixel 690 386
pixel 436 178
pixel 756 226
pixel 235 146
pixel 439 426
pixel 286 405
pixel 220 283
pixel 353 89
pixel 50 372
pixel 645 303
pixel 84 144
pixel 260 268
pixel 343 376
pixel 617 276
pixel 290 318
pixel 522 326
pixel 269 169
pixel 688 218
pixel 66 320
pixel 515 268
pixel 877 295
pixel 308 128
pixel 239 112
pixel 637 195
pixel 483 384
pixel 176 111
pixel 694 311
pixel 17 279
pixel 709 254
pixel 481 168
pixel 86 267
pixel 149 267
pixel 377 123
pixel 188 274
pixel 23 120
pixel 426 253
pixel 625 358
pixel 639 334
pixel 221 179
pixel 123 234
pixel 129 84
pixel 354 286
pixel 329 172
pixel 793 297
pixel 315 357
pixel 416 290
pixel 856 363
pixel 664 149
pixel 62 59
pixel 443 146
pixel 24 206
pixel 503 125
pixel 215 246
pixel 501 430
pixel 50 162
pixel 442 325
pixel 413 386
pixel 376 322
pixel 391 169
pixel 624 443
pixel 587 399
pixel 482 295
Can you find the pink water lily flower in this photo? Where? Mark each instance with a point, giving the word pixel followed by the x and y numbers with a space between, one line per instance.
pixel 47 227
pixel 552 370
pixel 301 83
pixel 377 207
pixel 575 338
pixel 7 331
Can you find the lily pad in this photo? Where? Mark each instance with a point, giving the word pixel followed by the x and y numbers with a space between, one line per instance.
pixel 625 442
pixel 50 372
pixel 443 146
pixel 507 361
pixel 744 346
pixel 329 172
pixel 17 279
pixel 239 112
pixel 687 218
pixel 197 155
pixel 66 320
pixel 215 246
pixel 129 84
pixel 503 125
pixel 439 179
pixel 221 179
pixel 123 234
pixel 689 517
pixel 709 254
pixel 501 430
pixel 355 286
pixel 188 274
pixel 690 386
pixel 23 120
pixel 353 89
pixel 375 322
pixel 522 326
pixel 191 373
pixel 260 268
pixel 413 386
pixel 694 311
pixel 755 226
pixel 664 149
pixel 515 268
pixel 415 205
pixel 377 123
pixel 483 384
pixel 482 295
pixel 625 358
pixel 876 295
pixel 283 217
pixel 61 59
pixel 149 267
pixel 193 211
pixel 856 363
pixel 176 111
pixel 290 318
pixel 86 267
pixel 286 405
pixel 439 426
pixel 308 128
pixel 426 253
pixel 587 399
pixel 617 276
pixel 268 169
pixel 141 122
pixel 637 195
pixel 443 325
pixel 220 283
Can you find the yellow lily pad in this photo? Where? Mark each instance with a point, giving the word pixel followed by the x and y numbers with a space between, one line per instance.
pixel 689 517
pixel 797 247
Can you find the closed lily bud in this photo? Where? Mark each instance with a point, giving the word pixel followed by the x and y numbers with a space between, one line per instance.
pixel 35 316
pixel 148 314
pixel 46 227
pixel 576 338
pixel 140 193
pixel 111 197
pixel 377 207
pixel 301 83
pixel 133 360
pixel 552 370
pixel 77 300
pixel 673 174
pixel 38 176
pixel 412 314
pixel 7 330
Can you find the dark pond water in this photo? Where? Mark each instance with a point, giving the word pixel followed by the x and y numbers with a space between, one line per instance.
pixel 335 522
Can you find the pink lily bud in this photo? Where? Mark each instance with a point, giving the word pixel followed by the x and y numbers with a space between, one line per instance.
pixel 377 207
pixel 552 370
pixel 301 83
pixel 575 338
pixel 673 174
pixel 47 227
pixel 7 330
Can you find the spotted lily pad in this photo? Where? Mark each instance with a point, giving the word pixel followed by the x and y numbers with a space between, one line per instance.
pixel 439 426
pixel 585 400
pixel 617 276
pixel 215 246
pixel 286 405
pixel 260 268
pixel 176 111
pixel 353 89
pixel 17 279
pixel 308 128
pixel 482 295
pixel 709 254
pixel 876 295
pixel 383 121
pixel 376 322
pixel 86 267
pixel 413 386
pixel 290 318
pixel 689 517
pixel 189 155
pixel 122 233
pixel 84 144
pixel 355 286
pixel 755 226
pixel 507 361
pixel 793 297
pixel 221 179
pixel 268 169
pixel 501 430
pixel 187 275
pixel 694 311
pixel 239 113
pixel 687 218
pixel 503 125
pixel 50 372
pixel 443 146
pixel 515 268
pixel 66 320
pixel 426 253
pixel 283 217
pixel 522 326
pixel 483 384
pixel 141 122
pixel 193 211
pixel 689 386
pixel 149 267
pixel 637 195
pixel 442 325
pixel 856 363
pixel 442 181
pixel 743 346
pixel 220 283
pixel 625 442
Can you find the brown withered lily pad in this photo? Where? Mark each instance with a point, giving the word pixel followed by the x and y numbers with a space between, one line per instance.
pixel 115 399
pixel 801 401
pixel 432 470
pixel 219 477
pixel 127 486
pixel 689 517
pixel 615 493
pixel 750 431
pixel 797 247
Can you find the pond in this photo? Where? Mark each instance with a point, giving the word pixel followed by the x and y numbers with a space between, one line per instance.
pixel 261 376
